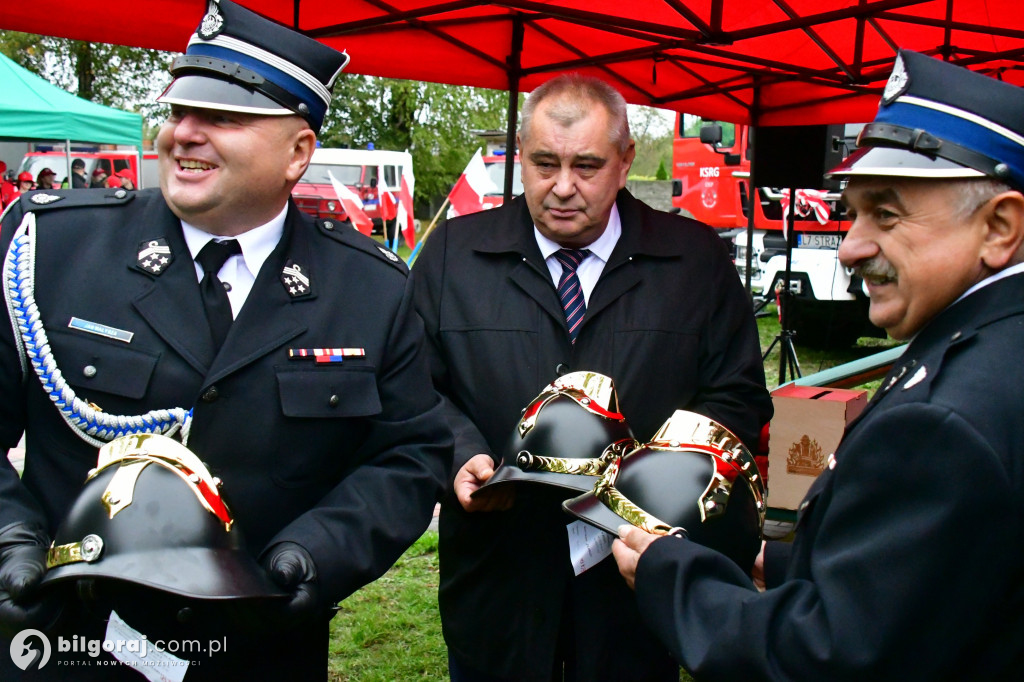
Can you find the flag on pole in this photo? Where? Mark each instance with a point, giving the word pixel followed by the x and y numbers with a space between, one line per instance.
pixel 388 202
pixel 468 193
pixel 406 222
pixel 353 206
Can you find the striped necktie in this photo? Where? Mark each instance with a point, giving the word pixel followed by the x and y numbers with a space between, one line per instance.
pixel 569 289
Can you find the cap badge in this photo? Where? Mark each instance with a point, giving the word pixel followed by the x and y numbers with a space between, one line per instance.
pixel 389 255
pixel 154 256
pixel 213 22
pixel 897 83
pixel 43 199
pixel 296 283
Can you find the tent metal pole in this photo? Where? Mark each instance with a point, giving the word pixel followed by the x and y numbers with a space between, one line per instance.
pixel 513 65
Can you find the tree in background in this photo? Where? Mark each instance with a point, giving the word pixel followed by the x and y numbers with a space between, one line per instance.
pixel 652 132
pixel 127 78
pixel 662 173
pixel 435 122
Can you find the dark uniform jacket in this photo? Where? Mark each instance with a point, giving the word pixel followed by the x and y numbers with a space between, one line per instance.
pixel 668 321
pixel 908 562
pixel 346 459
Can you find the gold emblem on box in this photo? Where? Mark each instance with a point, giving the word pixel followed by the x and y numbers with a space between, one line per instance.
pixel 805 457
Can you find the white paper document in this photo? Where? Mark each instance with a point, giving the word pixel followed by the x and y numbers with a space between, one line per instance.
pixel 133 648
pixel 587 545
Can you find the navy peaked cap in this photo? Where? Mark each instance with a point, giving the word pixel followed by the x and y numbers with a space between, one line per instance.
pixel 938 120
pixel 239 61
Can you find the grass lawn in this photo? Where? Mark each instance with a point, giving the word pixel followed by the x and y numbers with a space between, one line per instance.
pixel 813 360
pixel 390 630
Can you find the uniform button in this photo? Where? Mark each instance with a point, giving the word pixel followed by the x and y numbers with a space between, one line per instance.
pixel 328 225
pixel 89 371
pixel 334 400
pixel 227 286
pixel 561 369
pixel 956 336
pixel 210 394
pixel 120 194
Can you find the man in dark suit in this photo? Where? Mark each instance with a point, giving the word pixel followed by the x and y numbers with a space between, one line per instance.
pixel 663 315
pixel 78 179
pixel 909 549
pixel 304 386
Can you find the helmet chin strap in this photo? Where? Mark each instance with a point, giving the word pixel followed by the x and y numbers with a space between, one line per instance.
pixel 89 422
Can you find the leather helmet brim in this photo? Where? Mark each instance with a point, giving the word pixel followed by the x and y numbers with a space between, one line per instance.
pixel 199 573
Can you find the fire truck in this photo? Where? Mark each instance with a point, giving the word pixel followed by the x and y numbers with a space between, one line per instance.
pixel 711 169
pixel 495 162
pixel 357 169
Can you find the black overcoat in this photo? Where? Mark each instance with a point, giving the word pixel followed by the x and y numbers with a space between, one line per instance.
pixel 668 321
pixel 346 459
pixel 908 559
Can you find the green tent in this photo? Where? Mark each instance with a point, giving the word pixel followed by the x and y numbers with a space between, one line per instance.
pixel 31 108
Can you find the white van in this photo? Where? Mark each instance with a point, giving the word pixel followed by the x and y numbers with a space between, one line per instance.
pixel 358 169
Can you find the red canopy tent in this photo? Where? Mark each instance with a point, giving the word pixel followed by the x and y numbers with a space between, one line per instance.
pixel 766 62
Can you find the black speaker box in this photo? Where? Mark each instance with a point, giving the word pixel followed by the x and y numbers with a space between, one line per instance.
pixel 796 157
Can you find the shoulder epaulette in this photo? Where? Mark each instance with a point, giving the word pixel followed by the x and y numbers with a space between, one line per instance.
pixel 346 234
pixel 47 199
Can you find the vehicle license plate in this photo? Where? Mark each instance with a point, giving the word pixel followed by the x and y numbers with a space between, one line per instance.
pixel 819 241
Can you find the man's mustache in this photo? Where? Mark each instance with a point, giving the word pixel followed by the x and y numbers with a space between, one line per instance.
pixel 876 270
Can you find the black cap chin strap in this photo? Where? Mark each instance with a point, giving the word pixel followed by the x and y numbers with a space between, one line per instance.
pixel 922 142
pixel 229 71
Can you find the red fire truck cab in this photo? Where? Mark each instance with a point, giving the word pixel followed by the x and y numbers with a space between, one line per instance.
pixel 711 178
pixel 357 169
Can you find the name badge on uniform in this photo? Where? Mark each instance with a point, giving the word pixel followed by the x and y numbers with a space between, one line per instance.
pixel 100 329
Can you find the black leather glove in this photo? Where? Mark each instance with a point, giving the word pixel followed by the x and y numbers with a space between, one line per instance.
pixel 22 565
pixel 291 567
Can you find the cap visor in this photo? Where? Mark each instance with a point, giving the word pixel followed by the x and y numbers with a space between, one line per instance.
pixel 588 508
pixel 211 93
pixel 889 161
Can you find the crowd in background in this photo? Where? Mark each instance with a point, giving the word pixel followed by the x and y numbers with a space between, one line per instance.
pixel 13 184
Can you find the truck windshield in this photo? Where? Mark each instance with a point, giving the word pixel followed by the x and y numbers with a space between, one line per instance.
pixel 496 170
pixel 689 126
pixel 316 174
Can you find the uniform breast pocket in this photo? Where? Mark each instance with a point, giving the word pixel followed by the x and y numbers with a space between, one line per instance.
pixel 94 365
pixel 328 392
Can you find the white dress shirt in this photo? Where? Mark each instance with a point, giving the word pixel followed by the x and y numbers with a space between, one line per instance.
pixel 239 272
pixel 592 266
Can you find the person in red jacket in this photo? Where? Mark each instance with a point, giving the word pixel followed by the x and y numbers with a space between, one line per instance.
pixel 7 188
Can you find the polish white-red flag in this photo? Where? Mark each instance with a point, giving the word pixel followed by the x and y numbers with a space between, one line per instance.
pixel 388 202
pixel 467 196
pixel 353 206
pixel 406 222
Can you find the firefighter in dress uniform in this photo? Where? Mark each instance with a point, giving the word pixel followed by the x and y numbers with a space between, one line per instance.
pixel 294 369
